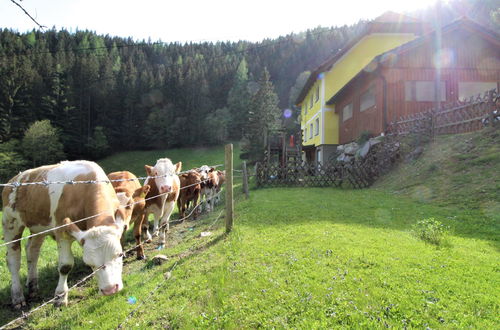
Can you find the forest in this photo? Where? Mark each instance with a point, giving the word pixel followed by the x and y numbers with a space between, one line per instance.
pixel 70 95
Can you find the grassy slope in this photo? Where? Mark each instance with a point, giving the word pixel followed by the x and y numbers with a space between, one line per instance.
pixel 134 161
pixel 459 170
pixel 304 258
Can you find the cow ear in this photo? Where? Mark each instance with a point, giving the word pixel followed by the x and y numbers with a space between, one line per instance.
pixel 141 192
pixel 149 170
pixel 178 167
pixel 74 231
pixel 211 169
pixel 120 218
pixel 123 198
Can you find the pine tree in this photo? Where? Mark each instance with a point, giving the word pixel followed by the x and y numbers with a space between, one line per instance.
pixel 263 117
pixel 238 101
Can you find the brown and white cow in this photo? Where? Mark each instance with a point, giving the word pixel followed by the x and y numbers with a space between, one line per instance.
pixel 42 207
pixel 164 183
pixel 131 195
pixel 210 181
pixel 190 192
pixel 222 179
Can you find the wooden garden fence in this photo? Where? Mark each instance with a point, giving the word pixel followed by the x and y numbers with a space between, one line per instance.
pixel 456 117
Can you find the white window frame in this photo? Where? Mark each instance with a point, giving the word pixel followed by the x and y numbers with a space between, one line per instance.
pixel 310 131
pixel 344 108
pixel 466 89
pixel 368 91
pixel 414 91
pixel 316 132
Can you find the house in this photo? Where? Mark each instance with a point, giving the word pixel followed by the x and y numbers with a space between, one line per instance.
pixel 388 71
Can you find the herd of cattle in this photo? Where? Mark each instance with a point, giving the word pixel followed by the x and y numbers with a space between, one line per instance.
pixel 96 215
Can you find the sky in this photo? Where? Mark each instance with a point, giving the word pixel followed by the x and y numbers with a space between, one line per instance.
pixel 196 20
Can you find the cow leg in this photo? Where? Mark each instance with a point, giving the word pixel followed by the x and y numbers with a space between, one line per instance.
pixel 180 207
pixel 165 221
pixel 155 224
pixel 14 261
pixel 145 229
pixel 195 205
pixel 66 262
pixel 137 234
pixel 32 253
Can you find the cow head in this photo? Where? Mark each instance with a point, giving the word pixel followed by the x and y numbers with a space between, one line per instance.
pixel 204 171
pixel 164 172
pixel 130 203
pixel 101 246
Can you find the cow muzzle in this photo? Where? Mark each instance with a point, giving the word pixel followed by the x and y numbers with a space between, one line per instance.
pixel 110 290
pixel 165 189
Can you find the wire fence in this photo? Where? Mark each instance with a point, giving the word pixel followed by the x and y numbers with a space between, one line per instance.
pixel 25 315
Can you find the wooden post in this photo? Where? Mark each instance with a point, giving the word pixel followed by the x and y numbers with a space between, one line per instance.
pixel 245 179
pixel 229 187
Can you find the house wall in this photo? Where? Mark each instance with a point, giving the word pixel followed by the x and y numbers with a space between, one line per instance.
pixel 466 57
pixel 477 62
pixel 334 79
pixel 369 120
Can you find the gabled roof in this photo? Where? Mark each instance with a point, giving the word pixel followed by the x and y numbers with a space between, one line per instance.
pixel 462 22
pixel 389 22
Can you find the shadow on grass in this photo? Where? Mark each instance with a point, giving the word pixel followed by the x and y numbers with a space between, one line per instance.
pixel 48 277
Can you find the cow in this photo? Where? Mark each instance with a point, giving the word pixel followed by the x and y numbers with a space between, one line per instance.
pixel 164 191
pixel 210 181
pixel 222 178
pixel 190 192
pixel 131 195
pixel 46 206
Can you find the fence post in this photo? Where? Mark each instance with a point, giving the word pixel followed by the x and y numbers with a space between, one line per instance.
pixel 245 179
pixel 229 187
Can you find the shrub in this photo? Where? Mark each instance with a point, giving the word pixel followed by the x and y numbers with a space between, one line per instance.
pixel 363 137
pixel 41 144
pixel 431 231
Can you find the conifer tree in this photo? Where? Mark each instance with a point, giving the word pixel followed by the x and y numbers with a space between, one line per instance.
pixel 263 117
pixel 238 101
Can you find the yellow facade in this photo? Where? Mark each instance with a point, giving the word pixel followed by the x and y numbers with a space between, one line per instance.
pixel 341 72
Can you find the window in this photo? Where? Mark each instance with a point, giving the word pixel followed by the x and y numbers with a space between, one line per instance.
pixel 316 132
pixel 311 102
pixel 305 134
pixel 473 88
pixel 423 91
pixel 347 112
pixel 317 93
pixel 367 99
pixel 311 131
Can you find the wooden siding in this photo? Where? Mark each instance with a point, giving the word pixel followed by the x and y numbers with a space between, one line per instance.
pixel 466 58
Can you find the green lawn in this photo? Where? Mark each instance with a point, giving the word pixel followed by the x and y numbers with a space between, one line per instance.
pixel 134 161
pixel 301 258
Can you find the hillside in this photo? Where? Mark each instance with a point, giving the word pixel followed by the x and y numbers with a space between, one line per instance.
pixel 455 170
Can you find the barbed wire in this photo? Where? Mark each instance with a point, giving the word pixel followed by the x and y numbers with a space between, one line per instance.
pixel 120 326
pixel 57 296
pixel 47 183
pixel 95 215
pixel 121 255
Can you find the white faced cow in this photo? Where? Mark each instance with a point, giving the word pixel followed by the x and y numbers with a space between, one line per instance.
pixel 42 207
pixel 209 184
pixel 166 186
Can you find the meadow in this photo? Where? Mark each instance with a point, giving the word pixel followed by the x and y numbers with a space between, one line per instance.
pixel 297 258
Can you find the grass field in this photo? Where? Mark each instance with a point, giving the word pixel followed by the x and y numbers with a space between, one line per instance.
pixel 300 258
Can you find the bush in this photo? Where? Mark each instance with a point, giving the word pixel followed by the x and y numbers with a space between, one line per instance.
pixel 431 231
pixel 11 160
pixel 363 137
pixel 98 146
pixel 41 144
